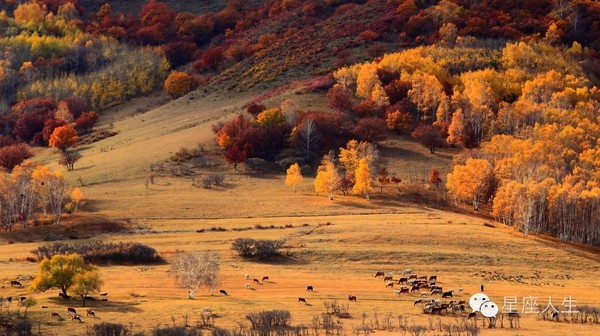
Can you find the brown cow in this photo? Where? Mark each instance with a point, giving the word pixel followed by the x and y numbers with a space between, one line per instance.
pixel 379 273
pixel 15 283
pixel 90 312
pixel 352 298
pixel 71 310
pixel 57 315
pixel 302 300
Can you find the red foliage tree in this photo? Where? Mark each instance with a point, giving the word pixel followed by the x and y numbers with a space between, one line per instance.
pixel 371 129
pixel 255 109
pixel 29 126
pixel 211 58
pixel 434 177
pixel 235 155
pixel 429 136
pixel 340 99
pixel 179 52
pixel 367 108
pixel 397 90
pixel 13 155
pixel 86 121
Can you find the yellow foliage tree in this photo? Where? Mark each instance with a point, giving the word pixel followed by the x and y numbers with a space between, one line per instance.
pixel 270 117
pixel 53 186
pixel 178 84
pixel 30 12
pixel 362 177
pixel 87 283
pixel 76 197
pixel 293 176
pixel 470 182
pixel 327 176
pixel 367 80
pixel 60 272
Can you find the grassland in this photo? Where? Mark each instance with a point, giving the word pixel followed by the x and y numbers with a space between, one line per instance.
pixel 337 245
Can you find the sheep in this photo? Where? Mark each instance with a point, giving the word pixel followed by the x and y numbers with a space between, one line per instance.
pixel 424 294
pixel 247 286
pixel 388 278
pixel 460 289
pixel 406 271
pixel 389 284
pixel 247 276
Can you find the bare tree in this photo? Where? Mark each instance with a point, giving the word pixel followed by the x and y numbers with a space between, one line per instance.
pixel 308 136
pixel 69 158
pixel 195 270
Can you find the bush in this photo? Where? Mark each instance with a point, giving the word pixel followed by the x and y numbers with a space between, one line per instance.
pixel 109 329
pixel 178 84
pixel 261 249
pixel 213 179
pixel 101 253
pixel 174 331
pixel 265 320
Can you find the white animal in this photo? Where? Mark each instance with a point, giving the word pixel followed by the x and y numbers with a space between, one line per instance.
pixel 247 286
pixel 407 271
pixel 247 276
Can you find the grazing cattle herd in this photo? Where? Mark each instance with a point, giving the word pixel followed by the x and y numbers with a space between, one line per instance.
pixel 426 287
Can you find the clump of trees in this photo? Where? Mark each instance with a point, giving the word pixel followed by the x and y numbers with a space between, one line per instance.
pixel 101 252
pixel 261 249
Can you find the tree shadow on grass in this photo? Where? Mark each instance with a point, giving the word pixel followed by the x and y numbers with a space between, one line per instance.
pixel 104 306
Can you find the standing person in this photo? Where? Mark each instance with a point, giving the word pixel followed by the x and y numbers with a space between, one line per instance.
pixel 482 288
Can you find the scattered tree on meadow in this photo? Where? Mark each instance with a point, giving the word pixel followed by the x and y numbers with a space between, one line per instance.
pixel 87 283
pixel 434 178
pixel 195 270
pixel 428 136
pixel 60 272
pixel 63 137
pixel 293 176
pixel 383 178
pixel 362 176
pixel 69 158
pixel 327 176
pixel 235 155
pixel 178 84
pixel 76 197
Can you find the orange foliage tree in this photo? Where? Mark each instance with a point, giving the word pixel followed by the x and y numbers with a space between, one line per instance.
pixel 63 137
pixel 178 84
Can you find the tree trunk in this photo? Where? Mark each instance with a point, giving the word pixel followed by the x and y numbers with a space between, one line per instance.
pixel 83 297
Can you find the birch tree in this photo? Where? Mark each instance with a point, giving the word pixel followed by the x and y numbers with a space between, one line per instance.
pixel 195 270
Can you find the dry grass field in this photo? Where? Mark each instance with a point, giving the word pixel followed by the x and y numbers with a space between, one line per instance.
pixel 336 246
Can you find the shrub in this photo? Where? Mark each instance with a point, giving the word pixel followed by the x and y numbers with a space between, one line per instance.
pixel 174 331
pixel 265 320
pixel 178 84
pixel 261 249
pixel 213 179
pixel 101 253
pixel 109 329
pixel 13 155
